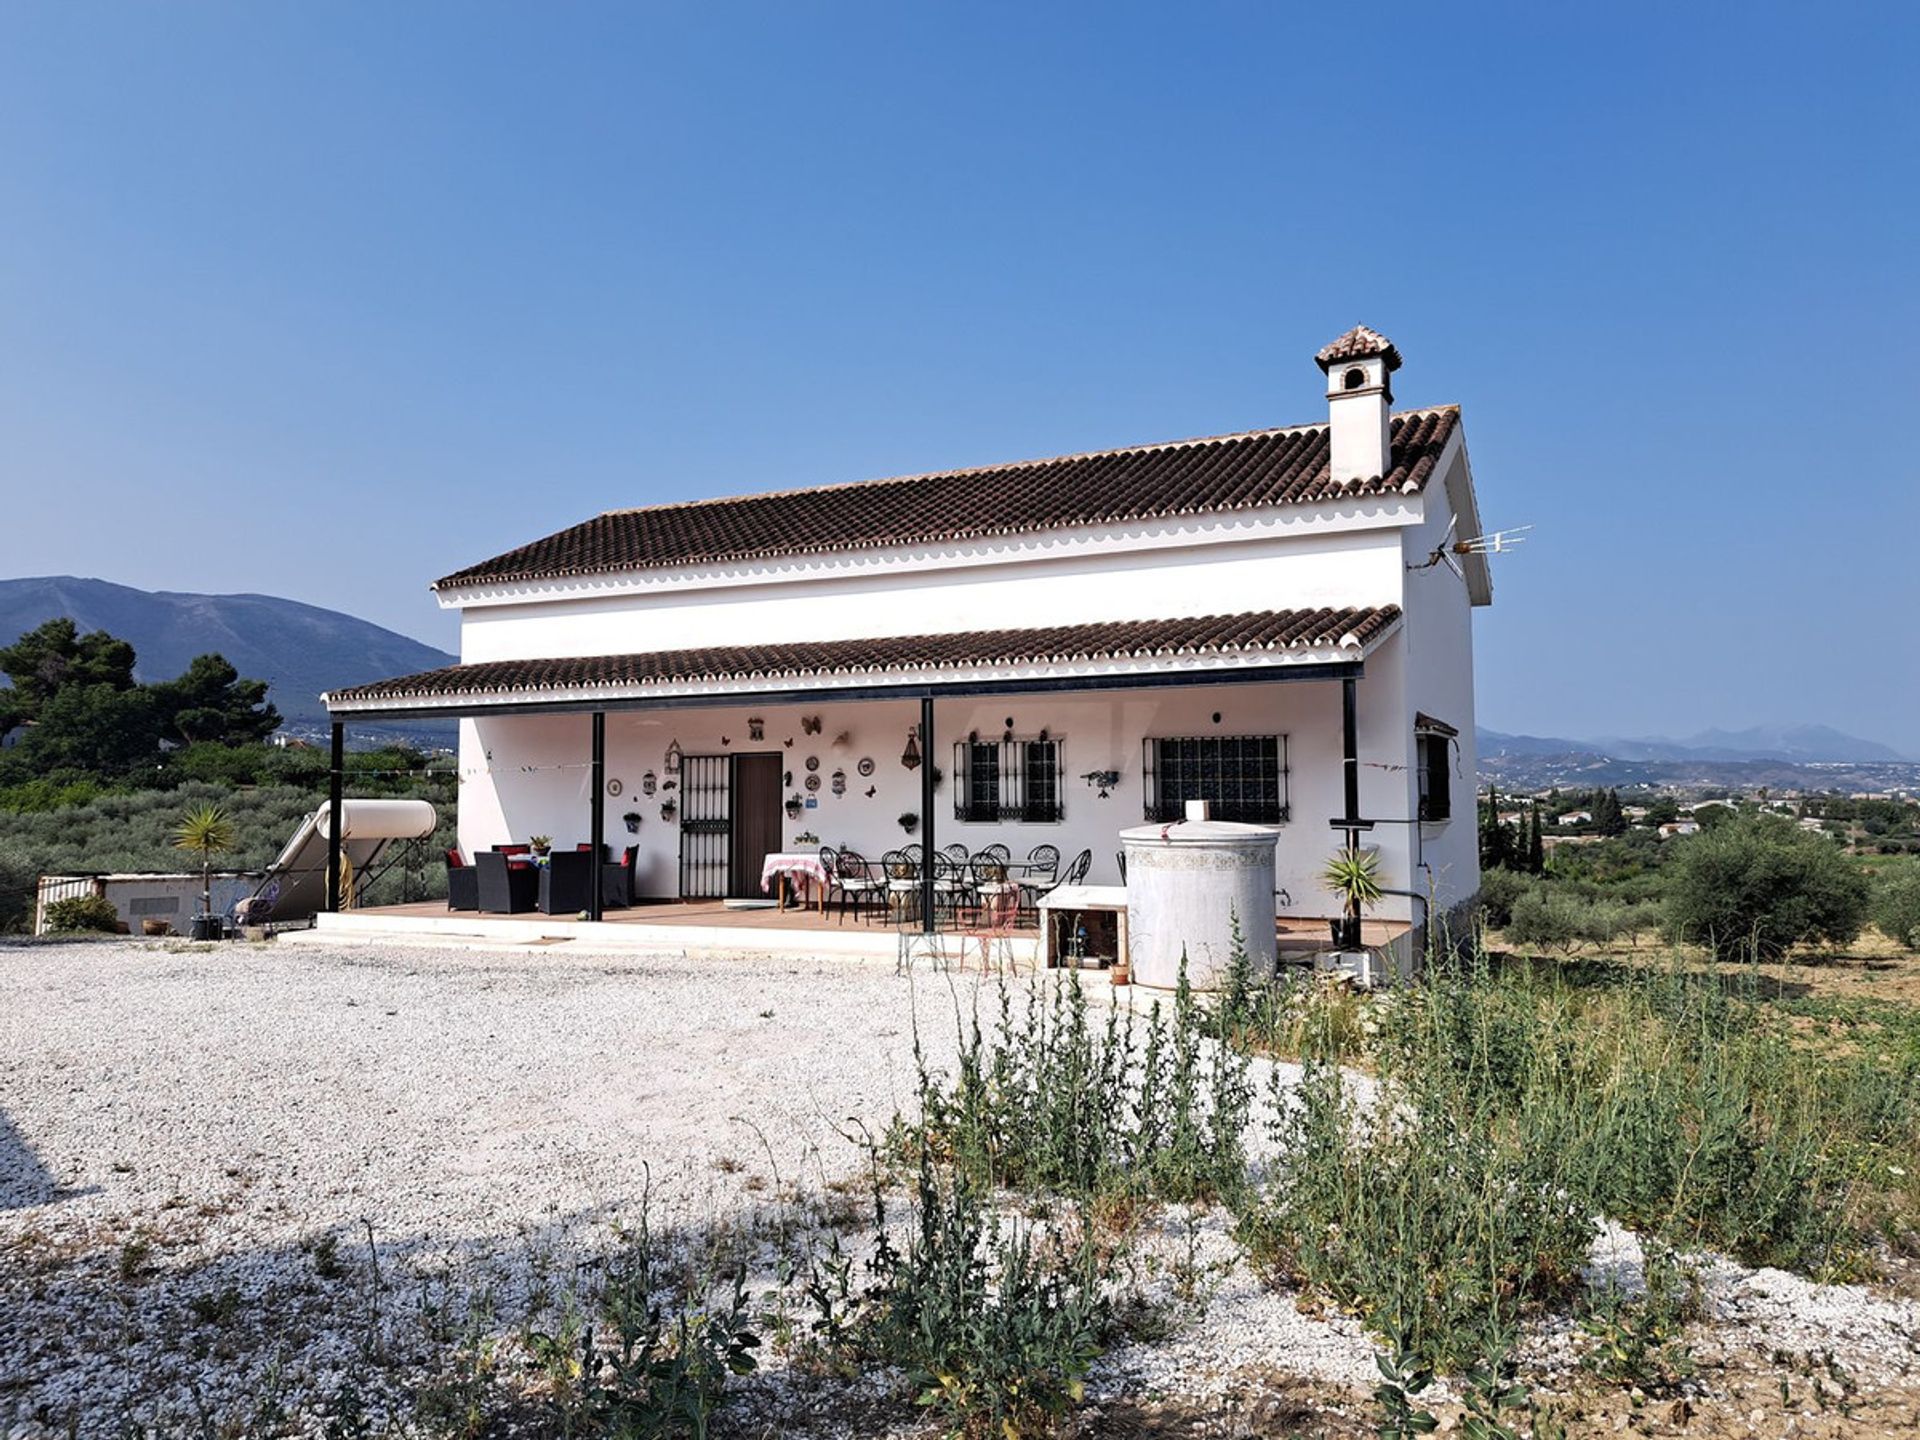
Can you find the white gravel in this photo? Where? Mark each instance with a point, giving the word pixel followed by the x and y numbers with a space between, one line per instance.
pixel 200 1148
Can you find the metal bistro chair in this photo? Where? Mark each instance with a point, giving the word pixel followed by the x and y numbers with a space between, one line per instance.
pixel 903 883
pixel 988 918
pixel 952 882
pixel 857 885
pixel 1043 864
pixel 994 892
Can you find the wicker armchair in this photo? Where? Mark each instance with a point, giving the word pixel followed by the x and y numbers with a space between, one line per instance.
pixel 566 882
pixel 505 888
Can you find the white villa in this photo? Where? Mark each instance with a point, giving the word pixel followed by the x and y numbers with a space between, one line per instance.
pixel 1277 621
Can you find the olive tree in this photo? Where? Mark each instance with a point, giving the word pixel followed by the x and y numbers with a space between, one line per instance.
pixel 1755 886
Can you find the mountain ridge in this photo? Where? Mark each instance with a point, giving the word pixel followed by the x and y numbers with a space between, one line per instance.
pixel 1792 744
pixel 297 648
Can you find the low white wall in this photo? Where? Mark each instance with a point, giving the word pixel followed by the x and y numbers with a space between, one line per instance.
pixel 522 776
pixel 173 898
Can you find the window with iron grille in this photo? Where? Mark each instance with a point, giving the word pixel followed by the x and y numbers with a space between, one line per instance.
pixel 1435 754
pixel 1007 780
pixel 1244 776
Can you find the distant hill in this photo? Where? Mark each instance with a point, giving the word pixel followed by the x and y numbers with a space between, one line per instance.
pixel 299 650
pixel 1792 744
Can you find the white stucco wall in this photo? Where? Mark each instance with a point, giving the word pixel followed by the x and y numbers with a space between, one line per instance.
pixel 523 790
pixel 1205 575
pixel 1437 645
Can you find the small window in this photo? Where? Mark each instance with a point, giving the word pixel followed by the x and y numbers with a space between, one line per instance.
pixel 1434 751
pixel 1355 378
pixel 1008 780
pixel 1244 777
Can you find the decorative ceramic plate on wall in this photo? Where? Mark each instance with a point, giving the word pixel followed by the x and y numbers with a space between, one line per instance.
pixel 813 782
pixel 866 765
pixel 813 762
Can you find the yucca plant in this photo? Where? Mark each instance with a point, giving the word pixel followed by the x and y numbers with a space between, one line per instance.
pixel 207 831
pixel 1354 876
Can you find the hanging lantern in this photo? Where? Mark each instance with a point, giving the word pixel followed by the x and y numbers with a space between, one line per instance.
pixel 910 757
pixel 673 757
pixel 648 783
pixel 839 782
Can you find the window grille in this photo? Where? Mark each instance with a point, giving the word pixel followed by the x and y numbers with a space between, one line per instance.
pixel 1008 780
pixel 1245 777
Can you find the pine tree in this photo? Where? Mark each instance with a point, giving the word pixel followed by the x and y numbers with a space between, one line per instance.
pixel 1495 850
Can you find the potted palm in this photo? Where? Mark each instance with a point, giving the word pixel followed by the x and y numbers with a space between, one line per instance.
pixel 1353 876
pixel 207 831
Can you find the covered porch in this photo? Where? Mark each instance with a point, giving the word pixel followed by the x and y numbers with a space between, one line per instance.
pixel 890 754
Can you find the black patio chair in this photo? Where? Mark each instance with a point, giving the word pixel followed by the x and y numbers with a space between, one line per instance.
pixel 1120 859
pixel 617 880
pixel 504 888
pixel 566 882
pixel 463 883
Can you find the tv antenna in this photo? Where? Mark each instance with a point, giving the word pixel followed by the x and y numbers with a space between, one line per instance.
pixel 1493 542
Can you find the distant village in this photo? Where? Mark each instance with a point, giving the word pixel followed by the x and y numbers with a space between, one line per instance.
pixel 1883 822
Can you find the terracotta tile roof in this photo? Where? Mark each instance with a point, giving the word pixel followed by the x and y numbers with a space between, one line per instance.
pixel 895 657
pixel 1222 473
pixel 1359 343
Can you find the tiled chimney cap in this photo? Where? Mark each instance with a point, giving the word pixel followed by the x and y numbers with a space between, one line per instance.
pixel 1359 343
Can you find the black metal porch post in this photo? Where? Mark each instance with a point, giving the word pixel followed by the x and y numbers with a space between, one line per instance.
pixel 1350 755
pixel 1350 763
pixel 335 795
pixel 926 813
pixel 594 910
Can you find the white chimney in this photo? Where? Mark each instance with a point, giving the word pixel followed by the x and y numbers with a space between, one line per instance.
pixel 1359 404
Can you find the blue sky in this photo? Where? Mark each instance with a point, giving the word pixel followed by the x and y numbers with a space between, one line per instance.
pixel 327 300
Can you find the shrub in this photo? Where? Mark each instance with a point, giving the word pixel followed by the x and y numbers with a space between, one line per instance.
pixel 1756 886
pixel 1555 917
pixel 993 1333
pixel 1053 1102
pixel 1499 891
pixel 1514 1107
pixel 49 792
pixel 83 912
pixel 1896 904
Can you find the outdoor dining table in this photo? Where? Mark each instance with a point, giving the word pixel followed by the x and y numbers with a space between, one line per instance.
pixel 784 867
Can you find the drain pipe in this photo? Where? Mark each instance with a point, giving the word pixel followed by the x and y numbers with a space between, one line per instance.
pixel 1426 914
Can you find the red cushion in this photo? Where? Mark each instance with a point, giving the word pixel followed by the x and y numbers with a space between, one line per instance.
pixel 586 845
pixel 632 854
pixel 512 849
pixel 454 862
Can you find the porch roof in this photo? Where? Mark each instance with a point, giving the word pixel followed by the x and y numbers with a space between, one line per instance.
pixel 1110 654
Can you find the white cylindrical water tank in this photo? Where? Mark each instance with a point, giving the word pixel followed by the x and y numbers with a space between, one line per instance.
pixel 380 819
pixel 1188 883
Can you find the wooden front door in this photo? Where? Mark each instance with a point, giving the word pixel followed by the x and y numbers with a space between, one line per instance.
pixel 756 821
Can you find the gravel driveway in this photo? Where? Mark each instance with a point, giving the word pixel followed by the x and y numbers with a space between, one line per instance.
pixel 170 1116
